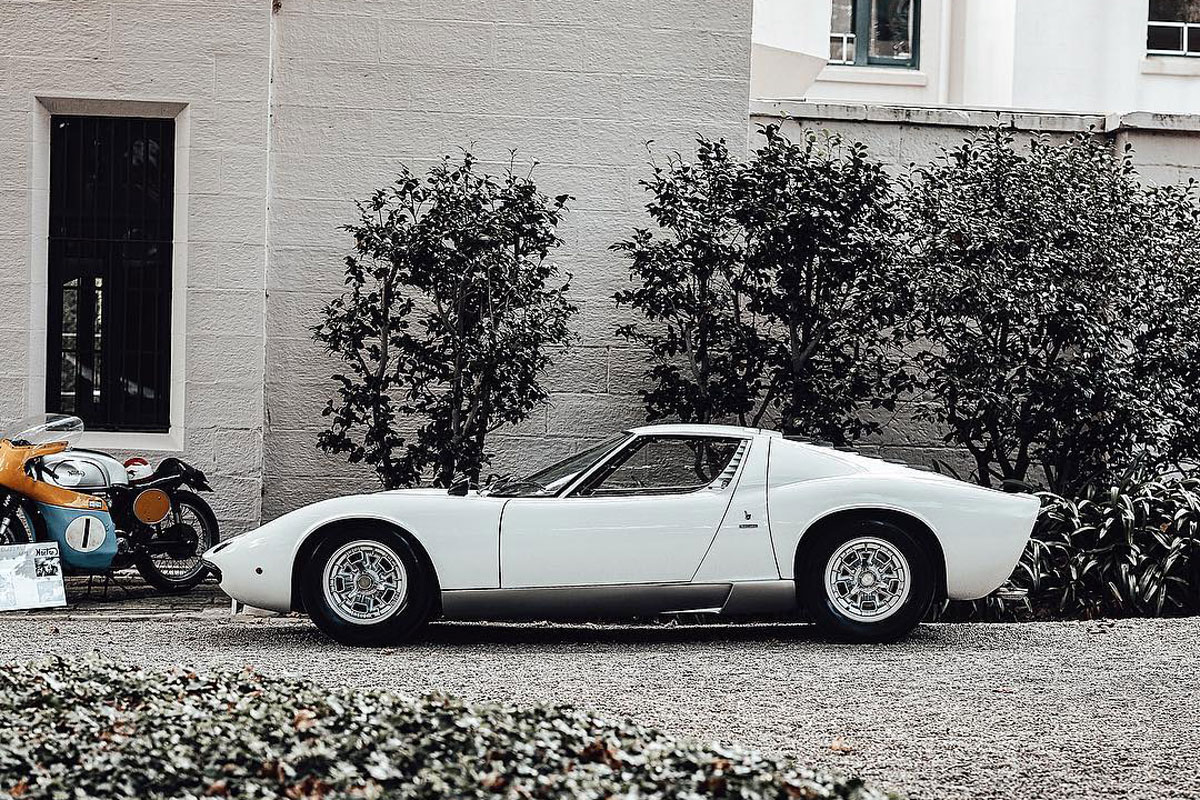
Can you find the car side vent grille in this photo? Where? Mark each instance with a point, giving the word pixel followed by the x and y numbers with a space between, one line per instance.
pixel 722 480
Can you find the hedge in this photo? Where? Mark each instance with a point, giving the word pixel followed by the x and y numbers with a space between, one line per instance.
pixel 1124 548
pixel 96 728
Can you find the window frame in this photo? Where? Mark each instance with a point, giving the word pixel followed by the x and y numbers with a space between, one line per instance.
pixel 1185 31
pixel 613 461
pixel 83 236
pixel 42 107
pixel 860 15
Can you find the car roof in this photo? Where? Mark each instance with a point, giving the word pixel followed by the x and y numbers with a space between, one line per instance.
pixel 695 429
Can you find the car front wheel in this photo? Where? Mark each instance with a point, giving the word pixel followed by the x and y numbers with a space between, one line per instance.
pixel 366 587
pixel 866 581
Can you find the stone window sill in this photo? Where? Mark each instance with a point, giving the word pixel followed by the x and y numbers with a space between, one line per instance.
pixel 889 76
pixel 1170 65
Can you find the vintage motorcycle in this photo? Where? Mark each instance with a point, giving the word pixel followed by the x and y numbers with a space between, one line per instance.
pixel 104 514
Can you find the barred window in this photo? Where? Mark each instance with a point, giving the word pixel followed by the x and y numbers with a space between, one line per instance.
pixel 108 316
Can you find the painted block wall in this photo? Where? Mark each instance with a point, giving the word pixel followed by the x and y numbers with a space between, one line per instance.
pixel 210 56
pixel 577 85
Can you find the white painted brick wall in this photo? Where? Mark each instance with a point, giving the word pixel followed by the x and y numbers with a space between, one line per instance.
pixel 212 55
pixel 578 85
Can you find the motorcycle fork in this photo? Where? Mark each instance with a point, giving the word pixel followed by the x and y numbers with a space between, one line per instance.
pixel 8 508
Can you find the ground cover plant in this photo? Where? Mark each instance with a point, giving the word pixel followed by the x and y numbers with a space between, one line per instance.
pixel 95 728
pixel 1127 547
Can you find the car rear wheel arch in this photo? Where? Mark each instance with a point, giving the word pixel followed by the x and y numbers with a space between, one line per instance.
pixel 918 529
pixel 310 543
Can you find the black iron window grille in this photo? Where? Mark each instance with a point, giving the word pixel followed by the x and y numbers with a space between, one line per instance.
pixel 108 337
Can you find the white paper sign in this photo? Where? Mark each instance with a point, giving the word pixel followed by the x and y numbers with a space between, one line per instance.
pixel 31 576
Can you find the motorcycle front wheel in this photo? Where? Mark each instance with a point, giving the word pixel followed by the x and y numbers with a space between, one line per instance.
pixel 18 520
pixel 166 572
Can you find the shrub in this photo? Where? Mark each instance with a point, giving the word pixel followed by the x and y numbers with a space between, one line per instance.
pixel 99 729
pixel 820 232
pixel 1051 286
pixel 450 310
pixel 689 277
pixel 770 287
pixel 1127 548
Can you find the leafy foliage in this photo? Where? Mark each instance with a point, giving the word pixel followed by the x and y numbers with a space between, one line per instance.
pixel 450 310
pixel 819 230
pixel 96 728
pixel 1050 290
pixel 1126 548
pixel 704 344
pixel 770 287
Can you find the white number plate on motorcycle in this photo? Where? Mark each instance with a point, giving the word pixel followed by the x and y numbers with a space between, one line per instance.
pixel 31 576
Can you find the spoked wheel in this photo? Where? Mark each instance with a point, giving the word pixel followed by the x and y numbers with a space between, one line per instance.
pixel 17 521
pixel 366 586
pixel 870 581
pixel 178 568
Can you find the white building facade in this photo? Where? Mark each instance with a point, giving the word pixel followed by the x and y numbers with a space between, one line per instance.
pixel 174 175
pixel 1088 56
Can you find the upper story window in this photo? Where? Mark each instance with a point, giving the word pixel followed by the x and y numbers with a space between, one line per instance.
pixel 890 30
pixel 108 336
pixel 1174 28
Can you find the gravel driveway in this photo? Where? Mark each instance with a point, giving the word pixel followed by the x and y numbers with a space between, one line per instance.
pixel 957 711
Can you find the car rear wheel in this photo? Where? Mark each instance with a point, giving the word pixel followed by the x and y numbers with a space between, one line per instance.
pixel 866 581
pixel 365 586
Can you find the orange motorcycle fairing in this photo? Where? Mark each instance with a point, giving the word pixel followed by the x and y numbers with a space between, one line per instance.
pixel 14 477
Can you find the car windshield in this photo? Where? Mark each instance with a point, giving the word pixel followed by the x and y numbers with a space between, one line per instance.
pixel 44 429
pixel 554 478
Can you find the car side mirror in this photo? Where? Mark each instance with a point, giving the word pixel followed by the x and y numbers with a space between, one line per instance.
pixel 459 487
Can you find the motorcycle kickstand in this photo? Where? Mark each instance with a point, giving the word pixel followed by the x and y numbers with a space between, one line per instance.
pixel 109 580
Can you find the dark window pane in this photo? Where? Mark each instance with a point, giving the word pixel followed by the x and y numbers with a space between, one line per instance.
pixel 1175 10
pixel 1164 37
pixel 891 29
pixel 842 20
pixel 1193 39
pixel 670 465
pixel 108 343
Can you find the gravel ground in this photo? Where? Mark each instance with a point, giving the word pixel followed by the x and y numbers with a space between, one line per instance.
pixel 957 711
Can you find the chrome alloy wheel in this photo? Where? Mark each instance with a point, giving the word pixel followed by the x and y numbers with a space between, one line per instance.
pixel 364 581
pixel 867 579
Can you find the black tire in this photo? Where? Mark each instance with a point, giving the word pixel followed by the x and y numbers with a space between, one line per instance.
pixel 161 571
pixel 23 524
pixel 415 605
pixel 814 561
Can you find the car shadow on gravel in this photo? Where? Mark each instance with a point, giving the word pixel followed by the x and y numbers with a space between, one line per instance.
pixel 553 635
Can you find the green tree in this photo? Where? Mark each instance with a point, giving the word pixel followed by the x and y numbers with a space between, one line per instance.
pixel 819 225
pixel 450 310
pixel 688 273
pixel 1049 298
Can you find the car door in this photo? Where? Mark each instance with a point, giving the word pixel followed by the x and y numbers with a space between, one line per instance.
pixel 646 515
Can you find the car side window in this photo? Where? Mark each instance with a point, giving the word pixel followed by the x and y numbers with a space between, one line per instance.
pixel 668 465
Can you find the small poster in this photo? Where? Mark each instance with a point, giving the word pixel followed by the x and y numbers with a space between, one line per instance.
pixel 31 576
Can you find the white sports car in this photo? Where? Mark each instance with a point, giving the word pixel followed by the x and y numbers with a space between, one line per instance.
pixel 658 520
